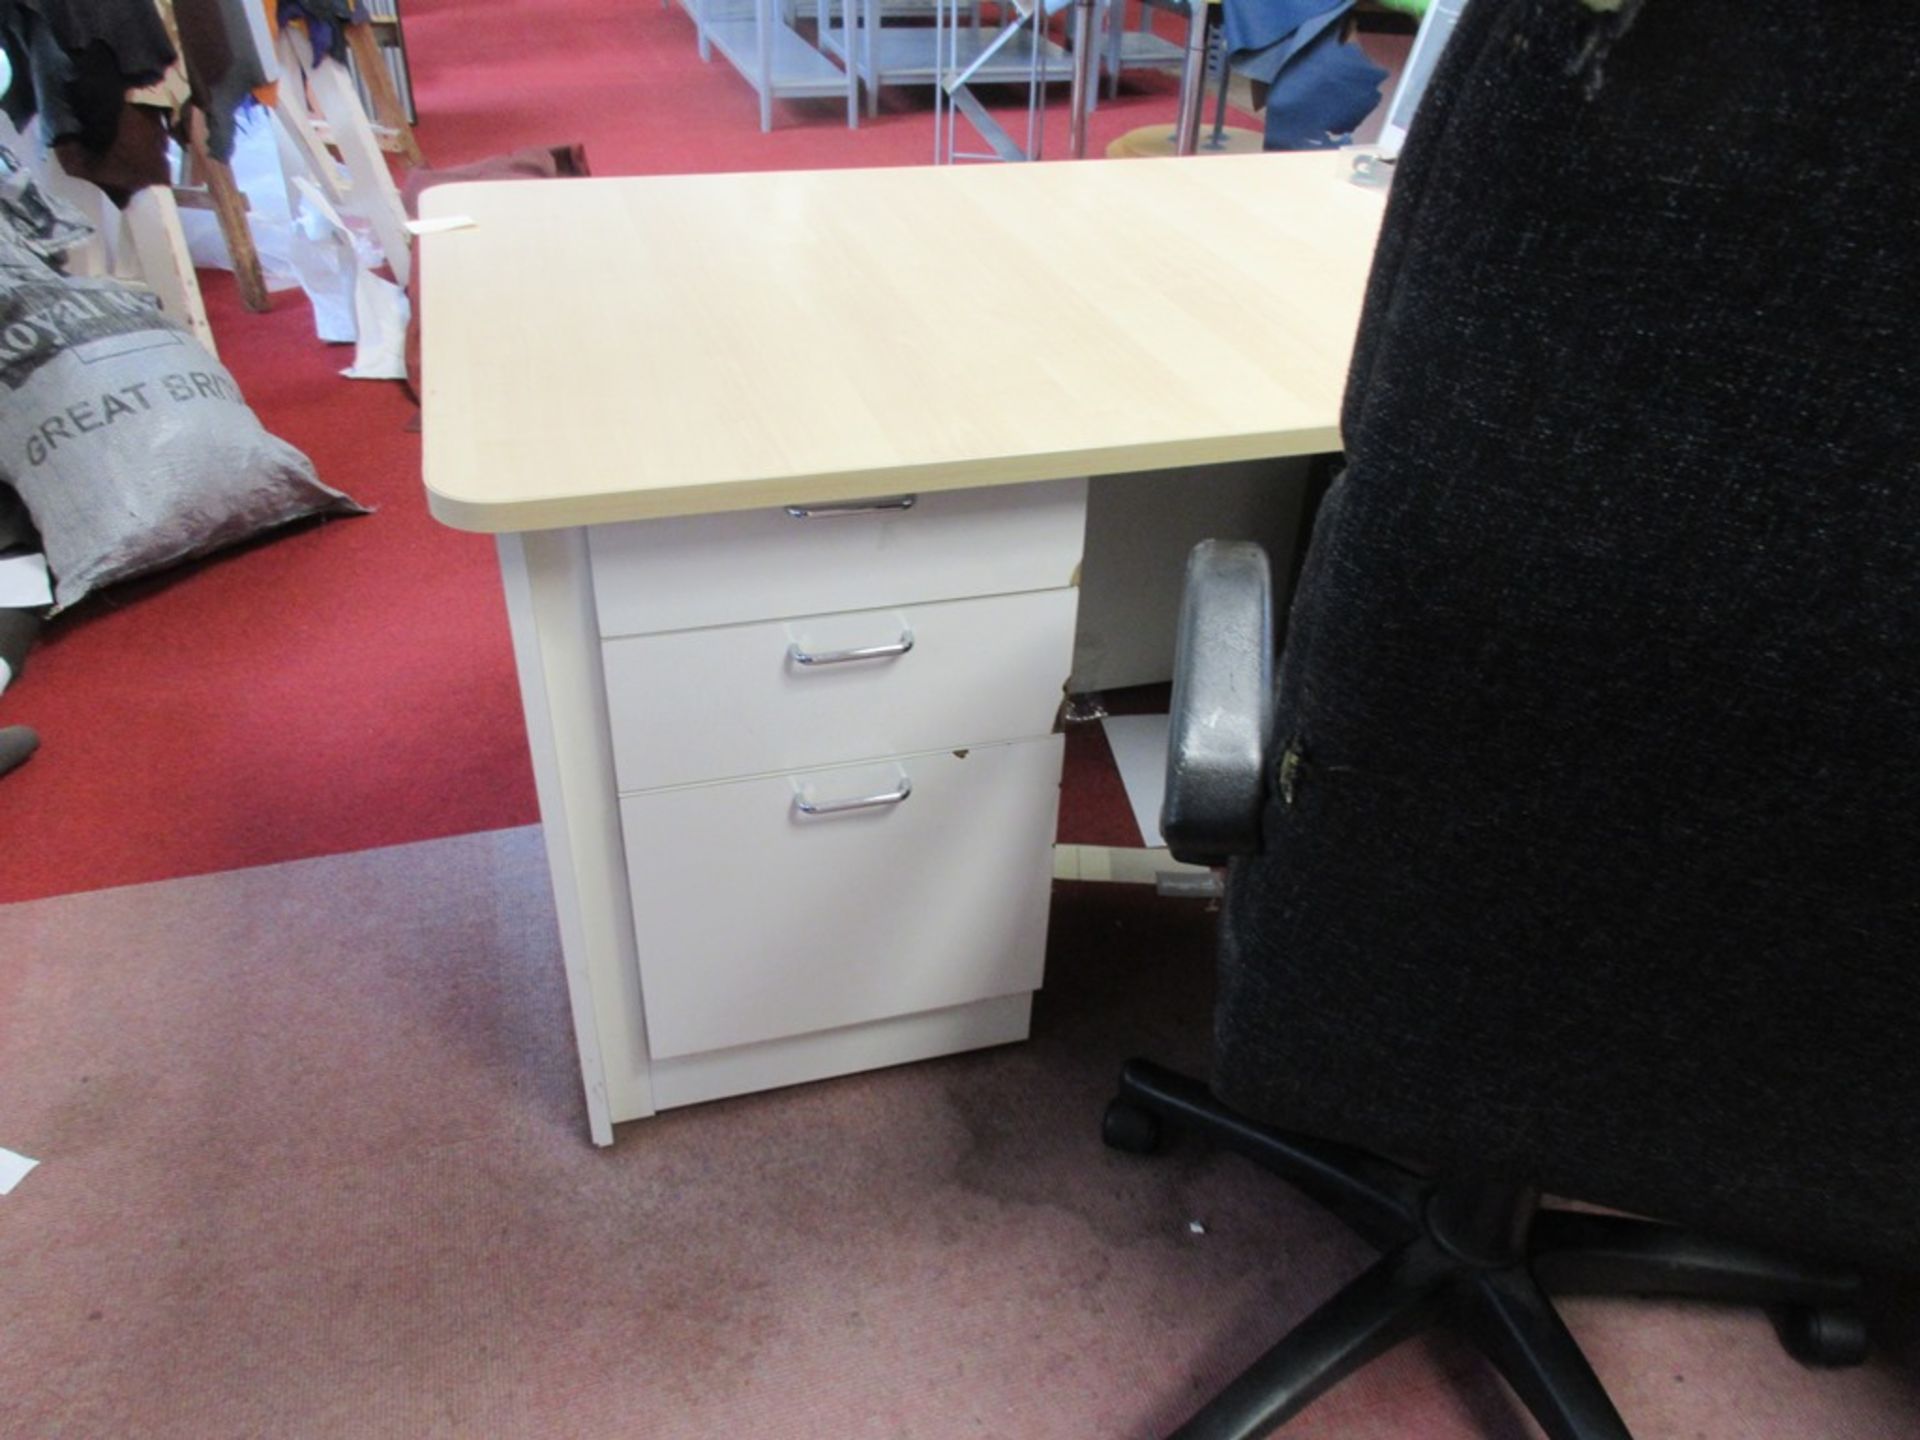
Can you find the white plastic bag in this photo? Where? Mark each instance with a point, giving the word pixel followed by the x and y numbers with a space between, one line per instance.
pixel 335 264
pixel 321 251
pixel 256 174
pixel 382 310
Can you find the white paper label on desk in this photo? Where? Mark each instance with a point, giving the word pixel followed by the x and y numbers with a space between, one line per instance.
pixel 444 222
pixel 13 1169
pixel 1139 745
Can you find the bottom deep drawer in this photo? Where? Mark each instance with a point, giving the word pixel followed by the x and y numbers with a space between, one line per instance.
pixel 757 919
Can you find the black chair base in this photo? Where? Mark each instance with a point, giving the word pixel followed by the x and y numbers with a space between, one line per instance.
pixel 1480 1259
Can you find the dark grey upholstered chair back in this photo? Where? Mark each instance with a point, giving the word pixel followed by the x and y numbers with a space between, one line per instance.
pixel 1597 861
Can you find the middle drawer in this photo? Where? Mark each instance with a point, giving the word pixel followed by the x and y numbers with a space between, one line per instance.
pixel 700 705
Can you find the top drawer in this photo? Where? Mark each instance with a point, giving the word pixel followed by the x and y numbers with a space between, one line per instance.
pixel 651 576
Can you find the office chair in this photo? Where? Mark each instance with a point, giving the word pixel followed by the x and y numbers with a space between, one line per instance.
pixel 1573 843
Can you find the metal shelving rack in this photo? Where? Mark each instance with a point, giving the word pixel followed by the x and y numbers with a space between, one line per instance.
pixel 1137 49
pixel 758 39
pixel 384 16
pixel 919 54
pixel 1017 50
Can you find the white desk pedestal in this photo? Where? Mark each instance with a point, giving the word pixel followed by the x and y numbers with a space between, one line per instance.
pixel 731 919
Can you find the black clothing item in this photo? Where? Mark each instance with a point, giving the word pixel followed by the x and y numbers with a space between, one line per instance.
pixel 222 65
pixel 131 29
pixel 16 526
pixel 74 61
pixel 1600 708
pixel 325 20
pixel 135 158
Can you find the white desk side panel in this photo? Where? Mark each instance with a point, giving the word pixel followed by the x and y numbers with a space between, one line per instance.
pixel 1140 530
pixel 556 646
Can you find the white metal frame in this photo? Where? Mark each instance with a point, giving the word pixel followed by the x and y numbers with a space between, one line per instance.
pixel 757 45
pixel 1141 48
pixel 962 57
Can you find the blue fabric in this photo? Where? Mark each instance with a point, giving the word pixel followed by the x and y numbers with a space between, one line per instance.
pixel 1319 88
pixel 326 22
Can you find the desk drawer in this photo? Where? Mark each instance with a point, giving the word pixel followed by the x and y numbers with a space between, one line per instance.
pixel 758 922
pixel 651 576
pixel 702 705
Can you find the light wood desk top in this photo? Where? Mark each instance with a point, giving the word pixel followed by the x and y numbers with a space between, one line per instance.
pixel 605 350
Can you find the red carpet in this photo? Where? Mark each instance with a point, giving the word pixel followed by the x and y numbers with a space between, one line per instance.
pixel 345 685
pixel 350 685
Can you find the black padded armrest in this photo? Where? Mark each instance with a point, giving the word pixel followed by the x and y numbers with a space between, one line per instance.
pixel 1222 705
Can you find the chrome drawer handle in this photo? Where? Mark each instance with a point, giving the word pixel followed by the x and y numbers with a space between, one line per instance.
pixel 841 657
pixel 841 807
pixel 852 507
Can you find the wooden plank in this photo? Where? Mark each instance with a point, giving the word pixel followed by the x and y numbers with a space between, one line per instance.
pixel 389 116
pixel 229 205
pixel 374 194
pixel 152 222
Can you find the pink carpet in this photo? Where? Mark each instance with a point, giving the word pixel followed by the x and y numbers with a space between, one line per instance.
pixel 313 1164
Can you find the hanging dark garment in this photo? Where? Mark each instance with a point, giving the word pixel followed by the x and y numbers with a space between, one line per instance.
pixel 223 65
pixel 74 61
pixel 326 22
pixel 131 30
pixel 136 158
pixel 1315 87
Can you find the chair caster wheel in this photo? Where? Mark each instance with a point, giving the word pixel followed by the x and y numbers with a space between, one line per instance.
pixel 1824 1336
pixel 1127 1127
